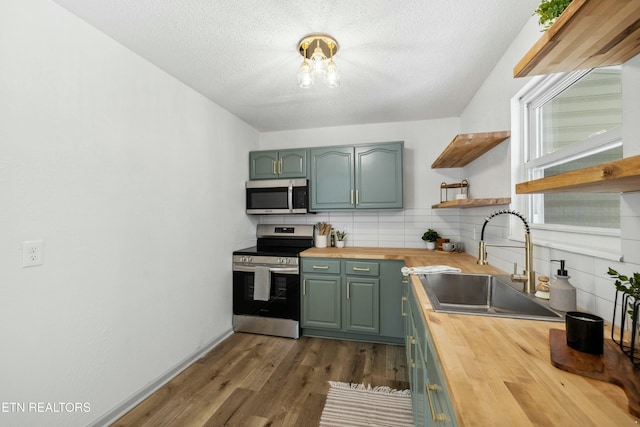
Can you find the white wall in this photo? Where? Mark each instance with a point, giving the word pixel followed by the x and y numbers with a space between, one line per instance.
pixel 124 173
pixel 424 140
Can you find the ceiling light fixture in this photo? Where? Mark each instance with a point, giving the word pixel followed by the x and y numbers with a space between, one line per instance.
pixel 318 64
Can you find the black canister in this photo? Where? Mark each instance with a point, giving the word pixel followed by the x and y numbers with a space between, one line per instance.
pixel 585 332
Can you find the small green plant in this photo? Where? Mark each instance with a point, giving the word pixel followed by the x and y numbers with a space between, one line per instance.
pixel 549 10
pixel 627 285
pixel 431 235
pixel 340 235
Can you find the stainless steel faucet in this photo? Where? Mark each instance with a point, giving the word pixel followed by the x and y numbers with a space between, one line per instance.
pixel 528 276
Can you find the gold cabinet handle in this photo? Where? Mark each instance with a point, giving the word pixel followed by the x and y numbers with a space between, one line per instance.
pixel 348 286
pixel 274 168
pixel 402 302
pixel 357 198
pixel 361 269
pixel 304 287
pixel 280 167
pixel 320 267
pixel 412 342
pixel 351 197
pixel 440 416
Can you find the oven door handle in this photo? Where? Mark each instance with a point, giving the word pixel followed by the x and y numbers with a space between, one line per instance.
pixel 284 270
pixel 252 269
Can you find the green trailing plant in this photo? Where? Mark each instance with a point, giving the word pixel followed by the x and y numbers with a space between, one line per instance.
pixel 340 235
pixel 627 285
pixel 549 10
pixel 431 235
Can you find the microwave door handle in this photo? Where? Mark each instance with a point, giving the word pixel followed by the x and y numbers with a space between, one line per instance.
pixel 290 198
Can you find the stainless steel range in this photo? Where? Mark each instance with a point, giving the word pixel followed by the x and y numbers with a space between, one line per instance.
pixel 266 281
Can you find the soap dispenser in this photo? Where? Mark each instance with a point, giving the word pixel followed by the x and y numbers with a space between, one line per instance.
pixel 562 294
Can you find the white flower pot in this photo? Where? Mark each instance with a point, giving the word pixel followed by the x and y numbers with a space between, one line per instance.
pixel 431 246
pixel 340 244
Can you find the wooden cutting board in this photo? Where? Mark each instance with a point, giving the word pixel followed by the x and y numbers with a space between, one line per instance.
pixel 612 366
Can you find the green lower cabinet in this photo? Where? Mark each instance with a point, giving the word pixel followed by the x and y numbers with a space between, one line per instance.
pixel 322 301
pixel 407 321
pixel 352 299
pixel 362 308
pixel 441 411
pixel 418 389
pixel 430 399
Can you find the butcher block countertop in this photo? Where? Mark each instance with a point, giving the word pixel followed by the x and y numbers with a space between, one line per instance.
pixel 498 370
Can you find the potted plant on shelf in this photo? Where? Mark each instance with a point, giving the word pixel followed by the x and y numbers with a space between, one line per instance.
pixel 629 288
pixel 549 10
pixel 340 235
pixel 431 237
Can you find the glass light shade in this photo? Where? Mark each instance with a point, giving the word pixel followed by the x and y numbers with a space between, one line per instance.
pixel 305 77
pixel 332 76
pixel 318 62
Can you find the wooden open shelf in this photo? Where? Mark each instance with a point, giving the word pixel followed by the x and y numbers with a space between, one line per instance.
pixel 588 34
pixel 620 176
pixel 465 148
pixel 472 203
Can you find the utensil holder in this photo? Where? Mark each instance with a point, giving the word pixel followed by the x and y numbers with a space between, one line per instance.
pixel 321 241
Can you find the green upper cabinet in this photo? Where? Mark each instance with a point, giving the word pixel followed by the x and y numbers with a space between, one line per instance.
pixel 379 176
pixel 278 164
pixel 332 178
pixel 357 177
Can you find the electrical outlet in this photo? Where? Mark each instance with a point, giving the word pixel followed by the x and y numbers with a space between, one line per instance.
pixel 32 253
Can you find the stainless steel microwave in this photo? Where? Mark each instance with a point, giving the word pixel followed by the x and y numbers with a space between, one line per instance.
pixel 277 196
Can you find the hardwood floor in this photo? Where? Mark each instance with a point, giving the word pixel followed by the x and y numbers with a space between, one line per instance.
pixel 257 380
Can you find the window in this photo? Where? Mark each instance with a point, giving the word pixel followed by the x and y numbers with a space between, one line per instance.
pixel 567 122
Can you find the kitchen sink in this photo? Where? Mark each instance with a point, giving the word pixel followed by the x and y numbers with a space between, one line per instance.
pixel 484 295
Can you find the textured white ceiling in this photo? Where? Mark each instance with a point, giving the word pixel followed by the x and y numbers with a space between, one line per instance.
pixel 399 60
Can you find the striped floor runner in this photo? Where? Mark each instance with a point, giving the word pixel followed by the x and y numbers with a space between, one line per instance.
pixel 352 405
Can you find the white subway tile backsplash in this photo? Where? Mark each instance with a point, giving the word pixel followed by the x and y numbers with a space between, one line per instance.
pixel 604 309
pixel 630 205
pixel 365 218
pixel 391 216
pixel 629 225
pixel 605 289
pixel 585 302
pixel 631 251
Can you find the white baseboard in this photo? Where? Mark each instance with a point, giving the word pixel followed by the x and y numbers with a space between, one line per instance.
pixel 114 414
